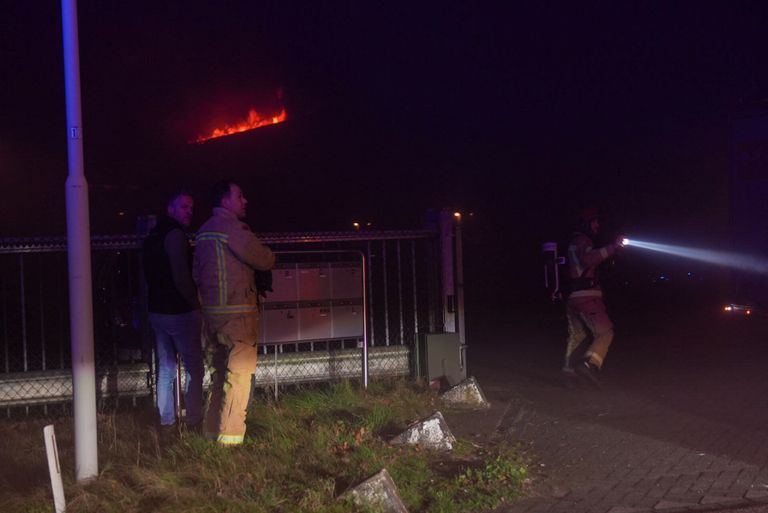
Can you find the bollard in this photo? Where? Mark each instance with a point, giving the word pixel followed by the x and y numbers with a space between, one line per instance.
pixel 59 503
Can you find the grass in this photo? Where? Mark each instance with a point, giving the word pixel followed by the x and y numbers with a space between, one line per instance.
pixel 301 454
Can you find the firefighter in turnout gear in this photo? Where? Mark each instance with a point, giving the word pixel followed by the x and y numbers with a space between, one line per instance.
pixel 226 255
pixel 585 309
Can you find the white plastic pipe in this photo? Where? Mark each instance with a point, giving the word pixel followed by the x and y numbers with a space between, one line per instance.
pixel 79 258
pixel 54 469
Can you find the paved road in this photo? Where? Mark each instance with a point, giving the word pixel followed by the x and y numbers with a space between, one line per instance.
pixel 682 424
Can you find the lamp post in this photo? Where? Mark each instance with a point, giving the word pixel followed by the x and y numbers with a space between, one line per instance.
pixel 79 260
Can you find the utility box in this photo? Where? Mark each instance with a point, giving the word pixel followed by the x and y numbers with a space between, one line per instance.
pixel 441 357
pixel 314 282
pixel 346 281
pixel 279 323
pixel 285 284
pixel 348 318
pixel 313 302
pixel 315 320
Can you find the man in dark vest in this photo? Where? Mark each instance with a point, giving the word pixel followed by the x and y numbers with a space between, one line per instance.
pixel 174 311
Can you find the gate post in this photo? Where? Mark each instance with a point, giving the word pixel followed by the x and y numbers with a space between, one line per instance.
pixel 452 277
pixel 447 284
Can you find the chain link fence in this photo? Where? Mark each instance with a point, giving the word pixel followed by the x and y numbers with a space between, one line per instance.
pixel 333 293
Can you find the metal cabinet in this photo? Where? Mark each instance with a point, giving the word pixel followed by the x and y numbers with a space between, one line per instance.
pixel 285 285
pixel 314 301
pixel 280 323
pixel 346 281
pixel 347 318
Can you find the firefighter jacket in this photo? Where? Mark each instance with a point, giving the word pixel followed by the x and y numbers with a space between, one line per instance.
pixel 583 260
pixel 227 253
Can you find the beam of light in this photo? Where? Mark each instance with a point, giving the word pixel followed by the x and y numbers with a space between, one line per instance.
pixel 252 121
pixel 722 258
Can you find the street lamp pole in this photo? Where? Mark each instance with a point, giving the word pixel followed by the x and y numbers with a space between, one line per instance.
pixel 79 258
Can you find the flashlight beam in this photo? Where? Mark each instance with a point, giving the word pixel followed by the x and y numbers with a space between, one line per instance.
pixel 722 258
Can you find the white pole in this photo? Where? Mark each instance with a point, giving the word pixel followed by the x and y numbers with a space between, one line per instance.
pixel 365 322
pixel 447 227
pixel 79 257
pixel 54 469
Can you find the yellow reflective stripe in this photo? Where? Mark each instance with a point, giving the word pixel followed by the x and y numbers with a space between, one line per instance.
pixel 575 259
pixel 587 293
pixel 225 439
pixel 594 358
pixel 222 268
pixel 230 439
pixel 218 239
pixel 229 309
pixel 212 236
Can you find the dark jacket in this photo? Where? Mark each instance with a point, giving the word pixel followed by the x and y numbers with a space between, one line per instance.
pixel 167 259
pixel 583 261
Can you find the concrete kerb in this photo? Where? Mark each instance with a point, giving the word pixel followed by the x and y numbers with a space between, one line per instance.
pixel 431 433
pixel 379 492
pixel 466 394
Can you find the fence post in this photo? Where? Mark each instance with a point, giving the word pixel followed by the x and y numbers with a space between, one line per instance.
pixel 448 289
pixel 460 326
pixel 364 281
pixel 144 225
pixel 452 278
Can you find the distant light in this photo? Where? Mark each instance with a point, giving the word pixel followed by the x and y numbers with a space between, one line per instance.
pixel 369 224
pixel 121 213
pixel 356 225
pixel 457 215
pixel 743 309
pixel 625 241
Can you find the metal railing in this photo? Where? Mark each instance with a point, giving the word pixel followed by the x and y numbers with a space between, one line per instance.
pixel 404 291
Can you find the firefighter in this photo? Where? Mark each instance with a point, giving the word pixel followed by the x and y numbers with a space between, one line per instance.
pixel 226 256
pixel 585 309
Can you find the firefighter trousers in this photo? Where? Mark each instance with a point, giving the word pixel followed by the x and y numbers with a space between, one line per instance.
pixel 233 364
pixel 587 315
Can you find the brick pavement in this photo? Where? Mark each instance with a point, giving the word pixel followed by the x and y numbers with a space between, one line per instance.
pixel 690 434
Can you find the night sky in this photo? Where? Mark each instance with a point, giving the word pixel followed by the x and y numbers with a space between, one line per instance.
pixel 516 112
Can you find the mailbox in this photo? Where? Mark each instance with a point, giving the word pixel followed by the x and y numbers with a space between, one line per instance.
pixel 314 301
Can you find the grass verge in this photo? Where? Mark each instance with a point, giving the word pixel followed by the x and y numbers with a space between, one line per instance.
pixel 300 455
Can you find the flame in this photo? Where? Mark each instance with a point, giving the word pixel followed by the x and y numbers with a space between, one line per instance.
pixel 254 120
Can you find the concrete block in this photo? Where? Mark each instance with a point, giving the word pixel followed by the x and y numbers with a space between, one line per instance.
pixel 431 433
pixel 379 493
pixel 466 394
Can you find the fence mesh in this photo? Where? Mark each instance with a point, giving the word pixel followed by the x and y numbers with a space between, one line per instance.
pixel 399 293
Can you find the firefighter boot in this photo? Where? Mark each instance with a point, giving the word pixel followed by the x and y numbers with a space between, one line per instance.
pixel 588 371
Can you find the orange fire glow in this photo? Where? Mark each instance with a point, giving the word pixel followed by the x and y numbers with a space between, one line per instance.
pixel 254 120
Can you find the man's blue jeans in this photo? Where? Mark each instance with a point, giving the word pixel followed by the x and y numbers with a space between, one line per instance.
pixel 178 334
